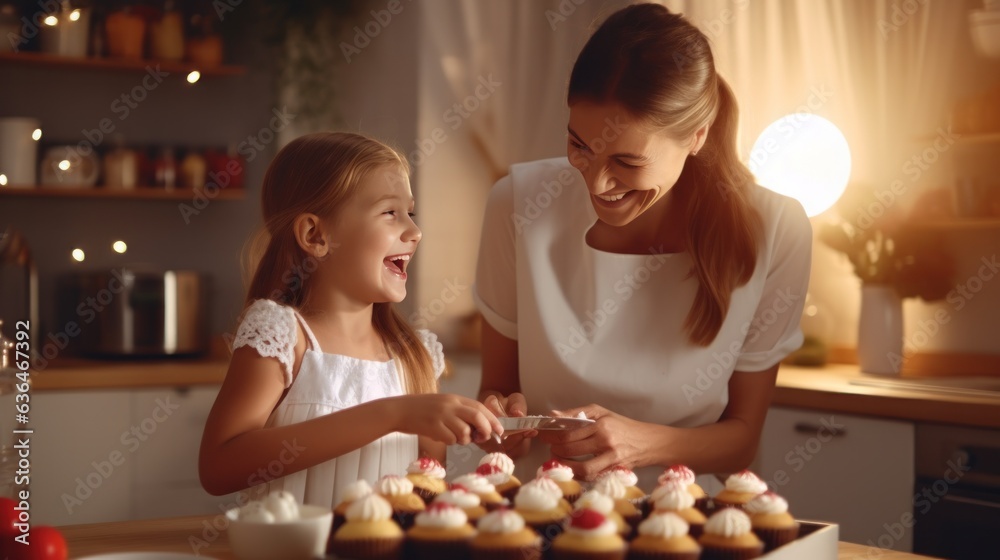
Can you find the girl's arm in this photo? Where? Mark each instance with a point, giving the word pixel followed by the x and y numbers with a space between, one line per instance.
pixel 728 445
pixel 237 451
pixel 433 449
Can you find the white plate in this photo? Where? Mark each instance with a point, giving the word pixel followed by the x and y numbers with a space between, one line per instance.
pixel 142 556
pixel 514 424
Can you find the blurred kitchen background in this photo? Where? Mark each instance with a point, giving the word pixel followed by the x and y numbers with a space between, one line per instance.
pixel 134 136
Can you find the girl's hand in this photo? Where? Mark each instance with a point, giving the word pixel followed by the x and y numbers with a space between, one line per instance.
pixel 612 440
pixel 514 445
pixel 449 419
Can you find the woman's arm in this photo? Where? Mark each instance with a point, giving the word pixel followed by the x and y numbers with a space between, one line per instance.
pixel 728 445
pixel 500 388
pixel 237 451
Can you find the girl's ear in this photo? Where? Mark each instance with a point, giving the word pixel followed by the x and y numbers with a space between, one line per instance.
pixel 311 235
pixel 700 136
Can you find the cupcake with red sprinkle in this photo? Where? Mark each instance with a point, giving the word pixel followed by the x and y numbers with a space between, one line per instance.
pixel 673 497
pixel 479 485
pixel 505 483
pixel 589 536
pixel 562 475
pixel 771 521
pixel 687 477
pixel 427 476
pixel 740 488
pixel 464 500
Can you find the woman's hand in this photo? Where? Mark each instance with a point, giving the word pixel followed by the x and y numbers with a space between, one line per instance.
pixel 515 405
pixel 449 419
pixel 612 440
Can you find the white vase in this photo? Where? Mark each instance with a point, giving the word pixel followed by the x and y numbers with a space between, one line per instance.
pixel 880 330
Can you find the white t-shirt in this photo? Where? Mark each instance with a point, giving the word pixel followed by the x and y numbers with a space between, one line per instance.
pixel 607 328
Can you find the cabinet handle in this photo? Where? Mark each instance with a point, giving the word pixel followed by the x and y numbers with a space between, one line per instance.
pixel 813 429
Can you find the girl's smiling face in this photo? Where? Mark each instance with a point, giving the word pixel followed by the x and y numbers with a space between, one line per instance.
pixel 374 236
pixel 628 167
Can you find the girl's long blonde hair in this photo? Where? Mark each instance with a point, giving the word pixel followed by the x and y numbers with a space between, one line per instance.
pixel 660 68
pixel 316 174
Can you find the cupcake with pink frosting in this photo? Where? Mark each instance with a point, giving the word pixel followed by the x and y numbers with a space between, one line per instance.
pixel 427 476
pixel 687 477
pixel 441 531
pixel 728 536
pixel 398 491
pixel 563 477
pixel 481 486
pixel 663 536
pixel 589 536
pixel 498 468
pixel 673 497
pixel 771 521
pixel 740 488
pixel 503 535
pixel 463 500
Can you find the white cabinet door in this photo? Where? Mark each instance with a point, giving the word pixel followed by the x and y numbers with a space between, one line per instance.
pixel 170 423
pixel 81 468
pixel 855 471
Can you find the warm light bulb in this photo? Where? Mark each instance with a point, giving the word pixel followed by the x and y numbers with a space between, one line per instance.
pixel 119 246
pixel 803 156
pixel 3 179
pixel 51 21
pixel 78 255
pixel 36 135
pixel 811 310
pixel 74 15
pixel 64 164
pixel 194 76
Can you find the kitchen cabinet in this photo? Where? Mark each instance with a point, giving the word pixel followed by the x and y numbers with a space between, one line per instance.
pixel 852 470
pixel 115 455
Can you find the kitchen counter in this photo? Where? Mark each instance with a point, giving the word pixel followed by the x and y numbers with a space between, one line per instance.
pixel 836 388
pixel 179 534
pixel 97 374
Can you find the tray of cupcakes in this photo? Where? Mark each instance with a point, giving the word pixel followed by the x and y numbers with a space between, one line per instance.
pixel 491 515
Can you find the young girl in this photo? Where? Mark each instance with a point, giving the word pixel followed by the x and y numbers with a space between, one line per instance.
pixel 327 383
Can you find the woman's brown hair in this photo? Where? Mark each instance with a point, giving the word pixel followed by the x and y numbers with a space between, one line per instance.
pixel 660 69
pixel 316 174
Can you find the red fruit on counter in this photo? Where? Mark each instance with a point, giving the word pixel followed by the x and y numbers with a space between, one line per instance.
pixel 44 543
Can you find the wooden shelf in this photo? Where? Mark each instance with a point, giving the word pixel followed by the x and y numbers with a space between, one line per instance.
pixel 117 64
pixel 959 224
pixel 139 193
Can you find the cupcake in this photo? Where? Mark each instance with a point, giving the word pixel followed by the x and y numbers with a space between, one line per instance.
pixel 728 536
pixel 612 487
pixel 740 489
pixel 628 479
pixel 398 491
pixel 563 477
pixel 663 536
pixel 686 476
pixel 352 493
pixel 369 533
pixel 502 535
pixel 541 510
pixel 505 483
pixel 673 497
pixel 463 500
pixel 477 484
pixel 549 485
pixel 770 520
pixel 427 476
pixel 605 506
pixel 589 536
pixel 441 531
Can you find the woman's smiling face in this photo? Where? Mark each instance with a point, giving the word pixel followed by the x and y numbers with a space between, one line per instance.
pixel 627 166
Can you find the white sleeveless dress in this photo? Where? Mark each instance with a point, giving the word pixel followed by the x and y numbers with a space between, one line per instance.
pixel 327 383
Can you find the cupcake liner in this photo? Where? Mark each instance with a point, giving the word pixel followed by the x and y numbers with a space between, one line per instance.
pixel 338 520
pixel 426 495
pixel 773 538
pixel 514 553
pixel 581 555
pixel 367 549
pixel 696 529
pixel 719 553
pixel 419 549
pixel 704 504
pixel 509 493
pixel 661 555
pixel 548 531
pixel 404 518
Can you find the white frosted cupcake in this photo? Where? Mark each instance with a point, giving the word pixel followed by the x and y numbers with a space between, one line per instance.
pixel 481 486
pixel 663 536
pixel 368 532
pixel 541 509
pixel 398 491
pixel 771 521
pixel 357 489
pixel 740 488
pixel 686 476
pixel 562 475
pixel 427 476
pixel 503 535
pixel 549 485
pixel 728 536
pixel 589 536
pixel 604 505
pixel 442 531
pixel 612 487
pixel 673 497
pixel 629 480
pixel 498 468
pixel 465 501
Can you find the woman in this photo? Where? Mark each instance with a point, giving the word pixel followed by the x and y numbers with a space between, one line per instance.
pixel 646 281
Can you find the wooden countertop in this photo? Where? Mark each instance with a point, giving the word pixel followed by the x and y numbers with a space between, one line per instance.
pixel 182 534
pixel 834 388
pixel 98 374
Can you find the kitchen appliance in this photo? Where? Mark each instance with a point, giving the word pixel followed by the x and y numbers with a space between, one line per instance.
pixel 957 492
pixel 18 151
pixel 130 312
